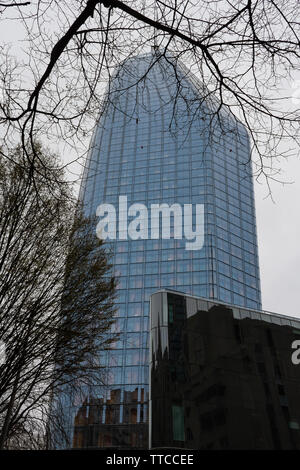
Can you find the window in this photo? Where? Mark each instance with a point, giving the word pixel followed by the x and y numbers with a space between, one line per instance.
pixel 178 423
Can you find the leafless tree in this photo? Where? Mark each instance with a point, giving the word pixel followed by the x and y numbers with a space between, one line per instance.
pixel 56 299
pixel 243 51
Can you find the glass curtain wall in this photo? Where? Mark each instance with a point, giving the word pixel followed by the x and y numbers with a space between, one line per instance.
pixel 157 142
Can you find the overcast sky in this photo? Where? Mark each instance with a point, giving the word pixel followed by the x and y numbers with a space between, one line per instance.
pixel 278 225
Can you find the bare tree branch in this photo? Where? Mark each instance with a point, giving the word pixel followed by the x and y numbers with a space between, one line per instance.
pixel 241 51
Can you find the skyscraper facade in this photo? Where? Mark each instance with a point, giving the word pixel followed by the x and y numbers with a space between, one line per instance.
pixel 159 141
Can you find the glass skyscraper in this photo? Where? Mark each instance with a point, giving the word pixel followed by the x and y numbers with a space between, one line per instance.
pixel 159 141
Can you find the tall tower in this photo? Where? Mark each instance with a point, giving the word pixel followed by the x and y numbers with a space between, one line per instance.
pixel 158 141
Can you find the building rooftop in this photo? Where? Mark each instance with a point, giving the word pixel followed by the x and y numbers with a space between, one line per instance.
pixel 242 312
